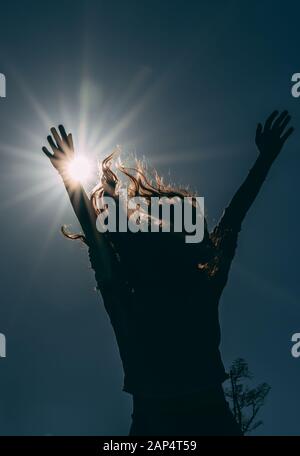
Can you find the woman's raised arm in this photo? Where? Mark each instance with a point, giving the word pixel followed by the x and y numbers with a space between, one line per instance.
pixel 269 139
pixel 61 156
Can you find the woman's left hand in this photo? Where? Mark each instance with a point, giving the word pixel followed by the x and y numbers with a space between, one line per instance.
pixel 271 138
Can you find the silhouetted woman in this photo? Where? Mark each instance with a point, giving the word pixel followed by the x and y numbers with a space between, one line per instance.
pixel 162 294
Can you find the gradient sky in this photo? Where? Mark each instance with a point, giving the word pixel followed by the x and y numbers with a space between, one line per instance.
pixel 184 84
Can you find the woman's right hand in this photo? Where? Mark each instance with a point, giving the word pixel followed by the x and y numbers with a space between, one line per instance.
pixel 62 150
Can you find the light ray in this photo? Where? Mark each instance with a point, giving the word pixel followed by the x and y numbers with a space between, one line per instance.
pixel 29 193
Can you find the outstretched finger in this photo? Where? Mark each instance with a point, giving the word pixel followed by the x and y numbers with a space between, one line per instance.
pixel 70 141
pixel 281 118
pixel 63 133
pixel 56 137
pixel 287 134
pixel 284 124
pixel 52 144
pixel 270 119
pixel 46 152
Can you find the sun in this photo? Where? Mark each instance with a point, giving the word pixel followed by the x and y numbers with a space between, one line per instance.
pixel 79 169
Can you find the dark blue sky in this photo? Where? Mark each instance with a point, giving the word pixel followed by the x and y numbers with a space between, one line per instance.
pixel 183 83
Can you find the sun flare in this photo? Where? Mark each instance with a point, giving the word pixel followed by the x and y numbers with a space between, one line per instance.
pixel 80 169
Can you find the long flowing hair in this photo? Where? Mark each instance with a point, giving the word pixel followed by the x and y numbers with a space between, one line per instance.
pixel 140 182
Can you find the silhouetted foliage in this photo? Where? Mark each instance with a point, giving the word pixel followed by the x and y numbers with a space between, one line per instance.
pixel 245 401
